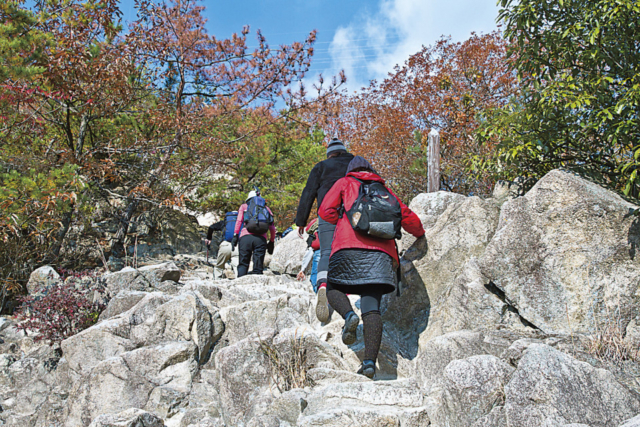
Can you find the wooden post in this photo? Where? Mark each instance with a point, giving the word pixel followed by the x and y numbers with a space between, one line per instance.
pixel 433 162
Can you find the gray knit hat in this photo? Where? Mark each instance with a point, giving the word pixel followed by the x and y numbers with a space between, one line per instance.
pixel 335 145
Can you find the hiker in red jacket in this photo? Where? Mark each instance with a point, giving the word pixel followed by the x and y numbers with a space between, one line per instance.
pixel 361 264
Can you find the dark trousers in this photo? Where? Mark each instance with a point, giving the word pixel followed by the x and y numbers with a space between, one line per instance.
pixel 251 245
pixel 325 235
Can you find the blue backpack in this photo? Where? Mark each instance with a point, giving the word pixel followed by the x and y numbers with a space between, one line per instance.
pixel 257 217
pixel 230 224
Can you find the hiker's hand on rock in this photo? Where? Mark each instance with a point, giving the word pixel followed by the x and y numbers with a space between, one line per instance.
pixel 417 250
pixel 270 247
pixel 300 232
pixel 207 242
pixel 300 276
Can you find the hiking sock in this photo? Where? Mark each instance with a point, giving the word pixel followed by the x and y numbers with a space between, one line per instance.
pixel 339 301
pixel 372 325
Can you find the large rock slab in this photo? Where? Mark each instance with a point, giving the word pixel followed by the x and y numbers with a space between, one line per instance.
pixel 469 304
pixel 147 278
pixel 429 207
pixel 565 255
pixel 252 316
pixel 243 379
pixel 121 302
pixel 462 231
pixel 468 391
pixel 288 253
pixel 552 388
pixel 436 354
pixel 156 379
pixel 157 318
pixel 363 404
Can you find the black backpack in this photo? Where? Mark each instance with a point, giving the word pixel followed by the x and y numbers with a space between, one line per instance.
pixel 257 218
pixel 376 212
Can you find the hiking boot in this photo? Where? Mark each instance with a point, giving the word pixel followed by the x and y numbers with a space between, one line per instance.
pixel 368 368
pixel 350 327
pixel 322 307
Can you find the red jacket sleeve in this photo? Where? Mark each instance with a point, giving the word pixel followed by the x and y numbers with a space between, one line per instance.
pixel 332 202
pixel 410 221
pixel 272 228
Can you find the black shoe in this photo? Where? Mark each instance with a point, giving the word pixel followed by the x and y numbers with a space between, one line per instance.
pixel 368 368
pixel 350 327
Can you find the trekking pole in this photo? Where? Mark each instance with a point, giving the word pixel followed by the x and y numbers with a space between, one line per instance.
pixel 207 254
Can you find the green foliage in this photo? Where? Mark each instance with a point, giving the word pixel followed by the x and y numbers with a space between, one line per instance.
pixel 578 62
pixel 21 43
pixel 278 163
pixel 32 205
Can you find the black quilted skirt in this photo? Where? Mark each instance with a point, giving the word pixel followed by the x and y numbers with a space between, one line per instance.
pixel 355 270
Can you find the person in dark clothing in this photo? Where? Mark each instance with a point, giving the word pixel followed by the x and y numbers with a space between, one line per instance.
pixel 216 226
pixel 321 179
pixel 251 244
pixel 361 264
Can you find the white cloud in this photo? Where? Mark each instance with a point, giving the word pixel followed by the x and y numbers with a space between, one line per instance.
pixel 373 43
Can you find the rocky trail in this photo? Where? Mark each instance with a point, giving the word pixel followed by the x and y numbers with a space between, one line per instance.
pixel 498 325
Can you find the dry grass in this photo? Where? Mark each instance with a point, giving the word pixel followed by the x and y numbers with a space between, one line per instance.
pixel 607 342
pixel 288 367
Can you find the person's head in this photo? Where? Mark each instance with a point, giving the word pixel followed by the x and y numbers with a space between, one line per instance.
pixel 335 147
pixel 360 164
pixel 251 195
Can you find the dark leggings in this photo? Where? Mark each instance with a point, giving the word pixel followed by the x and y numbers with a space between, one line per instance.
pixel 371 319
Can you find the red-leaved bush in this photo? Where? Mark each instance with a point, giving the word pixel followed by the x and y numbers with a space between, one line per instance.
pixel 61 312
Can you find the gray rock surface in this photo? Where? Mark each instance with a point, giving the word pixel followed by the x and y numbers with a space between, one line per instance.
pixel 429 207
pixel 288 253
pixel 462 231
pixel 633 422
pixel 565 255
pixel 459 346
pixel 468 390
pixel 42 278
pixel 129 418
pixel 147 278
pixel 552 388
pixel 504 191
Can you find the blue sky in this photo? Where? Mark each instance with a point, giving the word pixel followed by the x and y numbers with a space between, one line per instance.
pixel 366 38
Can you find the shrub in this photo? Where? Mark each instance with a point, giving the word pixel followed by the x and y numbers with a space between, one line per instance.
pixel 61 312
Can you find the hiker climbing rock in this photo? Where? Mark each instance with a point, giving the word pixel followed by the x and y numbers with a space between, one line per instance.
pixel 226 253
pixel 254 219
pixel 322 177
pixel 364 258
